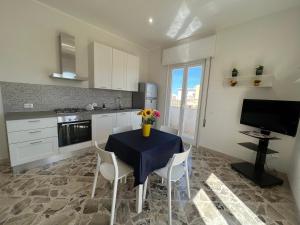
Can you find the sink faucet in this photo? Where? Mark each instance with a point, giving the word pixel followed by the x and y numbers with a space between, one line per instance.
pixel 118 102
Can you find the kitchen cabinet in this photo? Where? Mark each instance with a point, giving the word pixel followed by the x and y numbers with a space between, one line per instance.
pixel 30 135
pixel 102 66
pixel 136 120
pixel 114 69
pixel 29 151
pixel 31 124
pixel 102 125
pixel 119 70
pixel 123 119
pixel 31 139
pixel 132 73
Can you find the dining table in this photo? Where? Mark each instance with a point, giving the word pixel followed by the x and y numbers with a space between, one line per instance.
pixel 144 154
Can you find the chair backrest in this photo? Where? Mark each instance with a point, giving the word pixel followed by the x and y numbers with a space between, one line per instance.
pixel 169 130
pixel 121 129
pixel 178 159
pixel 106 156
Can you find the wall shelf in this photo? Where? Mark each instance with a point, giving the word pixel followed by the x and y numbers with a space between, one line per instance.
pixel 265 80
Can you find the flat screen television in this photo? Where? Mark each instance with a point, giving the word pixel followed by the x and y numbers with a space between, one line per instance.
pixel 271 115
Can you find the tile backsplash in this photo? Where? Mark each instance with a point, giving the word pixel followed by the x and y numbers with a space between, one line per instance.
pixel 49 97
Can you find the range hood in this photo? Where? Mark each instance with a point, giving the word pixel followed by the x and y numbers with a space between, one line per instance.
pixel 67 54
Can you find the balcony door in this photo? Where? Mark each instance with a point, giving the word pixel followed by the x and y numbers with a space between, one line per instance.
pixel 185 91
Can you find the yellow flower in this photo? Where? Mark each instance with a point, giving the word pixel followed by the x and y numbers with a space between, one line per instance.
pixel 148 112
pixel 144 114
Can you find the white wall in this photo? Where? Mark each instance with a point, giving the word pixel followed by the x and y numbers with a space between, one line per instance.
pixel 272 41
pixel 158 75
pixel 29 46
pixel 294 172
pixel 29 43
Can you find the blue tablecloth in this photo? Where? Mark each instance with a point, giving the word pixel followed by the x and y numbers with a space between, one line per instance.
pixel 144 154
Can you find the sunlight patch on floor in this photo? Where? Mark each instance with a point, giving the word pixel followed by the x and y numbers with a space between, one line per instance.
pixel 208 211
pixel 241 212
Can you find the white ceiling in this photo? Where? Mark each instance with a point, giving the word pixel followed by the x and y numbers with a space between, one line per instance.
pixel 172 19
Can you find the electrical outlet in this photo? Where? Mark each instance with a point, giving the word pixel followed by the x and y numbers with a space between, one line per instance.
pixel 28 106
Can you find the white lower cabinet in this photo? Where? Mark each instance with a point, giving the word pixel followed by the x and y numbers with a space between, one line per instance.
pixel 102 126
pixel 30 135
pixel 31 139
pixel 123 119
pixel 136 120
pixel 29 151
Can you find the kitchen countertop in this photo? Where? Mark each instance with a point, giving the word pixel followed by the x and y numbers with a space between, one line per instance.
pixel 47 114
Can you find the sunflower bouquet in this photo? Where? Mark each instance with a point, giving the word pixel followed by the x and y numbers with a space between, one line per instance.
pixel 149 116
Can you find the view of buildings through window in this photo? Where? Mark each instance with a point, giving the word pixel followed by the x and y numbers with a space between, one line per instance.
pixel 192 95
pixel 193 87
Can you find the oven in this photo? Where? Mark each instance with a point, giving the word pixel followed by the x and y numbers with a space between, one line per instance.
pixel 74 128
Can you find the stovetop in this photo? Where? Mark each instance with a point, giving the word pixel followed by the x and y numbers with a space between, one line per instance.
pixel 69 115
pixel 69 110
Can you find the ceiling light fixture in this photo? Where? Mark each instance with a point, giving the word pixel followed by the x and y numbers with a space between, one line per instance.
pixel 150 20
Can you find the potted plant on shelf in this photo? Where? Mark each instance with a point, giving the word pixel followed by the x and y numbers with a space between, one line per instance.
pixel 149 117
pixel 259 71
pixel 234 74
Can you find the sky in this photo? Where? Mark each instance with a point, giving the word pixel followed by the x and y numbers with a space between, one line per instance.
pixel 194 78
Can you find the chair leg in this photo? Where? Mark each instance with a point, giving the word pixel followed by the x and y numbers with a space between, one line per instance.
pixel 96 177
pixel 170 201
pixel 145 189
pixel 125 179
pixel 162 180
pixel 187 180
pixel 113 205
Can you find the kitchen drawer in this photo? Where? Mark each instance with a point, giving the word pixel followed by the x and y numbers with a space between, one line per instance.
pixel 30 124
pixel 29 135
pixel 32 150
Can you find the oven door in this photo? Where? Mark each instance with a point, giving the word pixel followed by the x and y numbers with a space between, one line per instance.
pixel 74 132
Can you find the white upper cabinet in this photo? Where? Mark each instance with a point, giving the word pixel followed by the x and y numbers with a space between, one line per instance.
pixel 119 70
pixel 132 73
pixel 114 69
pixel 102 66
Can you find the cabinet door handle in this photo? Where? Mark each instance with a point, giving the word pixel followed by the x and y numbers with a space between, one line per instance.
pixel 36 142
pixel 33 121
pixel 34 132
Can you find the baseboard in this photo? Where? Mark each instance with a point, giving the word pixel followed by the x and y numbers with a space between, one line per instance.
pixel 75 147
pixel 63 155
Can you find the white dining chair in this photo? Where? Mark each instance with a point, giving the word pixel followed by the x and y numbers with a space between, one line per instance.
pixel 176 168
pixel 112 169
pixel 169 130
pixel 117 130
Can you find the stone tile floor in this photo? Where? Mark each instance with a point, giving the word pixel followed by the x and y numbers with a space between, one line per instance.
pixel 59 194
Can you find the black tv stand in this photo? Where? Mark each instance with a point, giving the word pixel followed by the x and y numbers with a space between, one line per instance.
pixel 256 172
